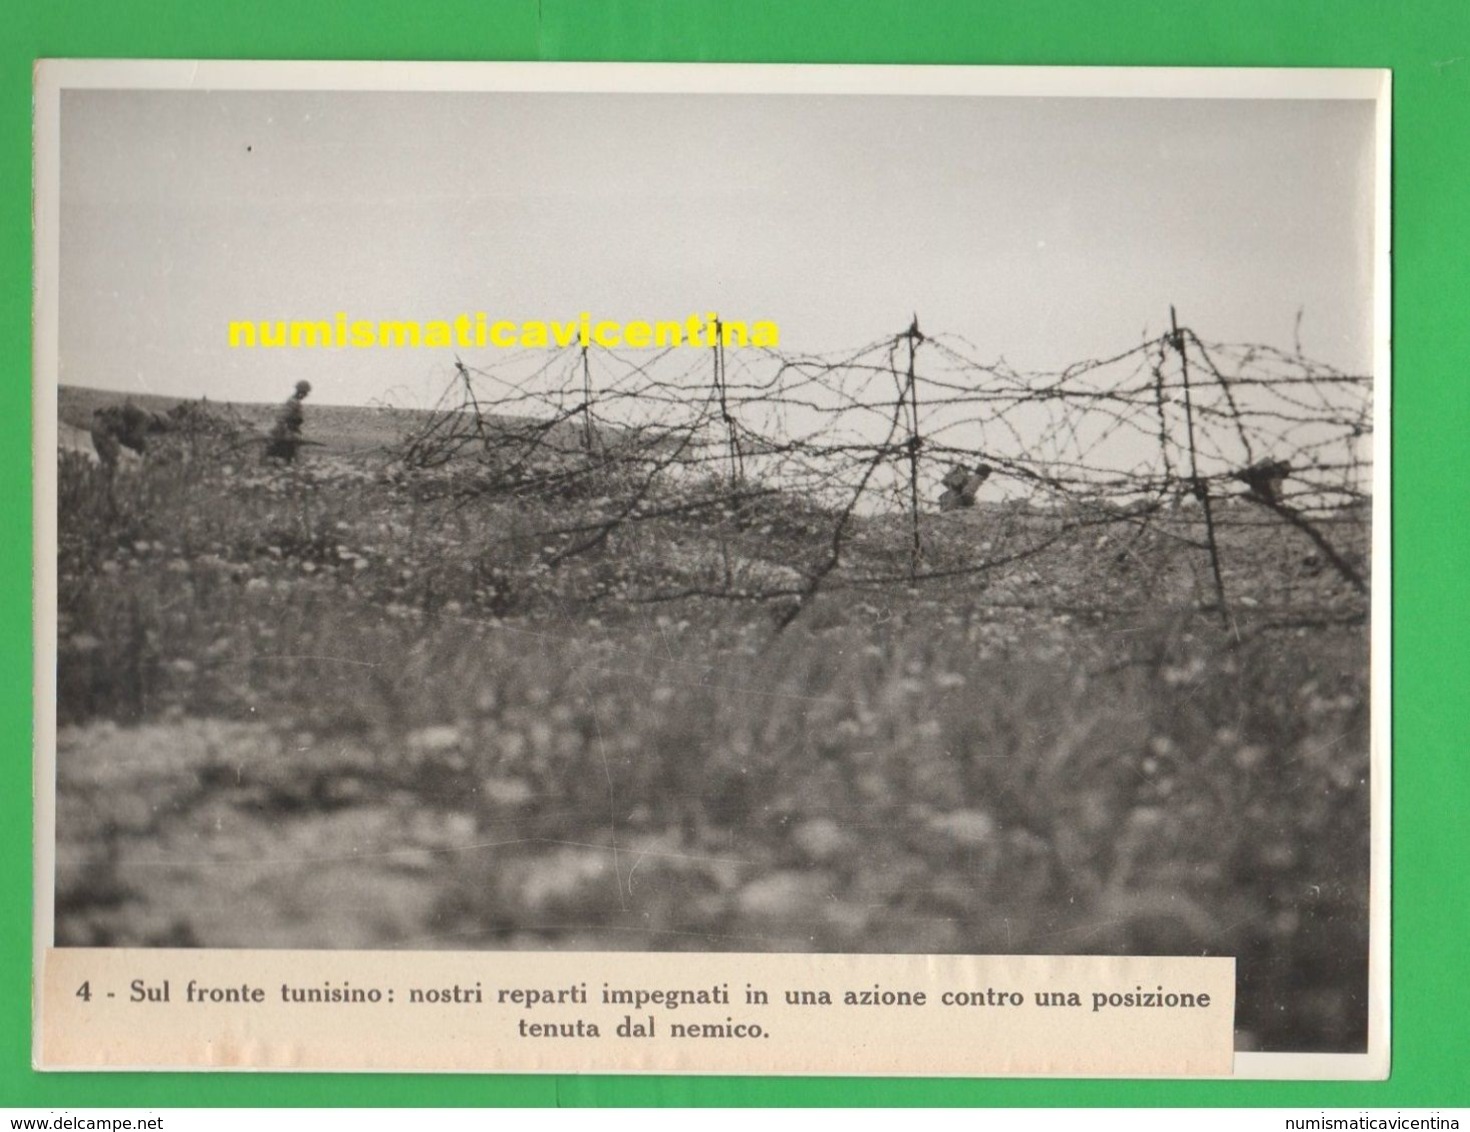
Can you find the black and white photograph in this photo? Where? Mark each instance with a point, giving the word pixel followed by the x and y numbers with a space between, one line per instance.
pixel 901 511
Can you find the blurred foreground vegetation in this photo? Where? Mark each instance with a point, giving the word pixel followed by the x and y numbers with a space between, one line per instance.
pixel 347 705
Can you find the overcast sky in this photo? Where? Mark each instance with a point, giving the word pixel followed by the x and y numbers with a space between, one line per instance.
pixel 1044 230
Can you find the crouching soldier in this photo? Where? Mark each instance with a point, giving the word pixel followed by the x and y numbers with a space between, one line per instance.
pixel 1266 479
pixel 115 427
pixel 961 486
pixel 285 435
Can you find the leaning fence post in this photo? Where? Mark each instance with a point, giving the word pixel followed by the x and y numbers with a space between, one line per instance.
pixel 589 430
pixel 1200 488
pixel 737 458
pixel 914 337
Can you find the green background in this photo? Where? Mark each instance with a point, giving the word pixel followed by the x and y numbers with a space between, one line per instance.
pixel 1427 44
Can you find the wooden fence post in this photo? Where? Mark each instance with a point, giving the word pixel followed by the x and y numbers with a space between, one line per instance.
pixel 589 430
pixel 914 337
pixel 732 434
pixel 1198 486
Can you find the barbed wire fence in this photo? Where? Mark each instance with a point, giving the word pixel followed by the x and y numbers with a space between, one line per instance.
pixel 834 459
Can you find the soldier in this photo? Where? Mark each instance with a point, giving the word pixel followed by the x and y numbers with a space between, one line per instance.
pixel 961 487
pixel 115 427
pixel 285 436
pixel 1266 478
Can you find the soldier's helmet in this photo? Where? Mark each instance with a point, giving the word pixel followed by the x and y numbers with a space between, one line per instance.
pixel 303 388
